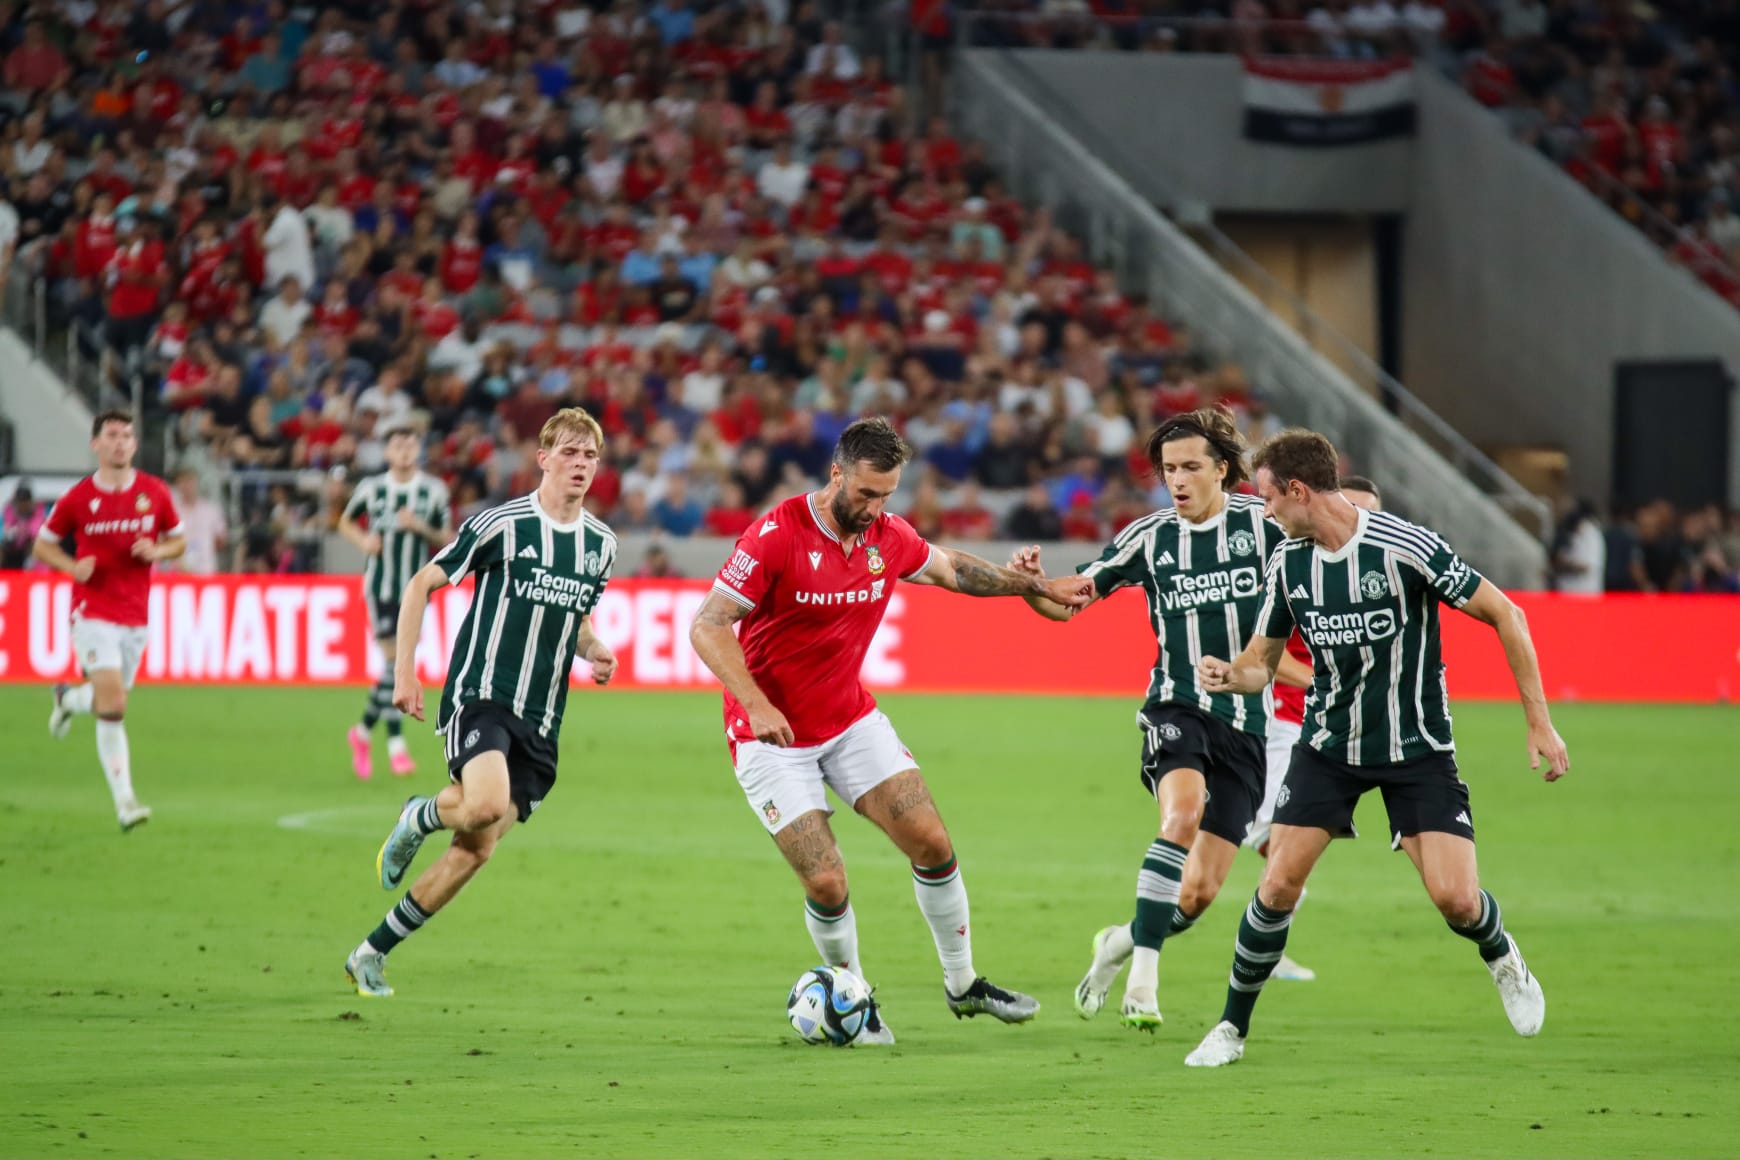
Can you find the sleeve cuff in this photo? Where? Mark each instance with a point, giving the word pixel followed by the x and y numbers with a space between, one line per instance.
pixel 929 555
pixel 725 589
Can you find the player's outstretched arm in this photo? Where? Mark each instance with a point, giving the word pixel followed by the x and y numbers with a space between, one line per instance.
pixel 407 693
pixel 1292 671
pixel 966 573
pixel 1491 606
pixel 1026 560
pixel 719 650
pixel 1249 672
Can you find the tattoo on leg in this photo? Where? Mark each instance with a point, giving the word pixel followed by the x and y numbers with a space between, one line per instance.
pixel 913 798
pixel 808 845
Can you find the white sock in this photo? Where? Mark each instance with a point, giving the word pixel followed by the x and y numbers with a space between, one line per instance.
pixel 1118 946
pixel 77 699
pixel 117 766
pixel 835 935
pixel 395 746
pixel 1144 972
pixel 942 899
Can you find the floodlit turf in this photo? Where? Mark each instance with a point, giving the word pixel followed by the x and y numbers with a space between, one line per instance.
pixel 613 984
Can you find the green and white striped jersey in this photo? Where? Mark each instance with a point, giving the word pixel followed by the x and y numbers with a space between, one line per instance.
pixel 1204 583
pixel 1369 613
pixel 536 580
pixel 376 504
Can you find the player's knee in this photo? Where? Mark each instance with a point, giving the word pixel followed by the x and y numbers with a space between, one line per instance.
pixel 826 887
pixel 928 844
pixel 1459 905
pixel 1181 823
pixel 480 813
pixel 1281 888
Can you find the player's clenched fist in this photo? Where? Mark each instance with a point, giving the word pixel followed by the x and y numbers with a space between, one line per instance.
pixel 1215 674
pixel 603 663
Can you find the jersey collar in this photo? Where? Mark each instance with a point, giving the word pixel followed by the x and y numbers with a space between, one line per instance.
pixel 551 520
pixel 132 478
pixel 810 502
pixel 1346 549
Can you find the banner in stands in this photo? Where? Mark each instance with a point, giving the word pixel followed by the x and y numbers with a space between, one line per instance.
pixel 311 630
pixel 1293 101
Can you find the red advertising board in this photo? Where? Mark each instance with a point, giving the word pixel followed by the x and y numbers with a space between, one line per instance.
pixel 312 630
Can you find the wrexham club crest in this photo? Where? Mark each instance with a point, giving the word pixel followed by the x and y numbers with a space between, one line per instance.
pixel 873 555
pixel 770 812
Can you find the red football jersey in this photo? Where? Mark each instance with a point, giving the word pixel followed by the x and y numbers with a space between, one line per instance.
pixel 1290 702
pixel 813 611
pixel 104 525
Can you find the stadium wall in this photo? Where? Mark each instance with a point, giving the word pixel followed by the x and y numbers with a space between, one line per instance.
pixel 312 630
pixel 1182 119
pixel 1520 292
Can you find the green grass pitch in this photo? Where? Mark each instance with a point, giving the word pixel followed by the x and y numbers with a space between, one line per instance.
pixel 613 984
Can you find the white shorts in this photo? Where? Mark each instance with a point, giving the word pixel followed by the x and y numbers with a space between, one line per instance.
pixel 1283 735
pixel 102 644
pixel 783 783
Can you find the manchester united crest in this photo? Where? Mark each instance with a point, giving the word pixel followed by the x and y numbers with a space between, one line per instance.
pixel 873 556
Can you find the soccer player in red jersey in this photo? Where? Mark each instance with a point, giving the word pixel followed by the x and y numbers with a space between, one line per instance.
pixel 122 521
pixel 809 583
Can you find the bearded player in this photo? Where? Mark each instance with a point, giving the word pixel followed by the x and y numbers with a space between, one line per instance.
pixel 810 583
pixel 122 521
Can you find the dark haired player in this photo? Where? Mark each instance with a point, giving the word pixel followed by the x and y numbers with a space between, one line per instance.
pixel 1363 588
pixel 403 522
pixel 1200 564
pixel 809 583
pixel 122 521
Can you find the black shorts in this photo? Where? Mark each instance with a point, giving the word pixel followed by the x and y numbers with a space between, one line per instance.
pixel 383 618
pixel 1230 760
pixel 483 727
pixel 1424 795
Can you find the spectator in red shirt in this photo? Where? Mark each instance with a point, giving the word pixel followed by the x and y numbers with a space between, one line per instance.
pixel 36 66
pixel 731 515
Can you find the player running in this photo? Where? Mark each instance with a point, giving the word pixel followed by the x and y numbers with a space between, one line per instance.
pixel 1200 563
pixel 810 583
pixel 1284 730
pixel 122 521
pixel 405 518
pixel 541 563
pixel 1363 588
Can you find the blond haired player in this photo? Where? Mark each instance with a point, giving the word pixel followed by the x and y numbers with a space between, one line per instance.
pixel 540 562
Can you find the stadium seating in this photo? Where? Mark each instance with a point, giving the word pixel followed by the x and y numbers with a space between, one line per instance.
pixel 725 239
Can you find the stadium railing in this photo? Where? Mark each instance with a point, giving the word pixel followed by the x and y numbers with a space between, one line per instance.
pixel 1437 476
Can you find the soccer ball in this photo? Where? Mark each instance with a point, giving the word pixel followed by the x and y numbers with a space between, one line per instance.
pixel 828 1005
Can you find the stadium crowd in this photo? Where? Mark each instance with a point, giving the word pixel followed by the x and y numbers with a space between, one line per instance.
pixel 717 231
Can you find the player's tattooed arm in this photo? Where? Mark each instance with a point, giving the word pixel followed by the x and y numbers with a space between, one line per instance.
pixel 719 650
pixel 966 573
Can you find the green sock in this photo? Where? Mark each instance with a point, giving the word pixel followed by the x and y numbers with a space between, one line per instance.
pixel 1157 885
pixel 403 921
pixel 380 701
pixel 1488 932
pixel 1181 922
pixel 1262 938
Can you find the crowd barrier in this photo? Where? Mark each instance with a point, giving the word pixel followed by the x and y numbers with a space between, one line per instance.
pixel 312 630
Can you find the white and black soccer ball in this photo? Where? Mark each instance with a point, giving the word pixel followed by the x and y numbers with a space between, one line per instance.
pixel 828 1005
